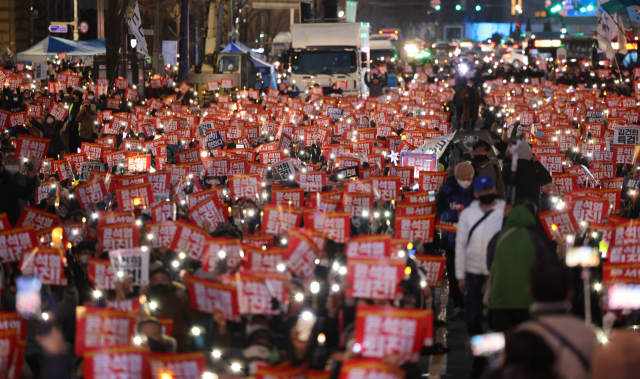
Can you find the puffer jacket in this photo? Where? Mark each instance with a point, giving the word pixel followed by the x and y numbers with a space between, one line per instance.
pixel 87 119
pixel 450 201
pixel 471 255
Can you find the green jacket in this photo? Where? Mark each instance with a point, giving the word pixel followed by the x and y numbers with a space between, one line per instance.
pixel 510 255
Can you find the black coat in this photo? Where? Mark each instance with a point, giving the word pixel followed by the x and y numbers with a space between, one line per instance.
pixel 10 192
pixel 528 179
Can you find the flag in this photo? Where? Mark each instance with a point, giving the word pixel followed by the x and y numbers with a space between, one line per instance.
pixel 604 33
pixel 622 37
pixel 613 6
pixel 135 26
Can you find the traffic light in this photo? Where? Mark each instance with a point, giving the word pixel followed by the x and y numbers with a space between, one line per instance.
pixel 437 7
pixel 458 7
pixel 478 8
pixel 556 8
pixel 563 30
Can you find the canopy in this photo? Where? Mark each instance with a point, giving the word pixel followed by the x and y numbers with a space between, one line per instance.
pixel 50 46
pixel 261 66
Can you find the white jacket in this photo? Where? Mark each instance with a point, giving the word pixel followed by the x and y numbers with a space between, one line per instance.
pixel 471 256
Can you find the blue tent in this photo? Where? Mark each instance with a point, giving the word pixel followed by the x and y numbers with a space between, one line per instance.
pixel 267 70
pixel 50 46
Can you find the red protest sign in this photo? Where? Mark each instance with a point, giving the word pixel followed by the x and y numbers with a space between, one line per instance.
pixel 378 245
pixel 177 365
pixel 625 154
pixel 374 278
pixel 628 273
pixel 590 209
pixel 243 186
pixel 100 327
pixel 36 217
pixel 212 296
pixel 301 253
pixel 32 147
pixel 57 111
pixel 434 267
pixel 559 223
pixel 138 163
pixel 118 236
pixel 76 160
pixel 162 233
pixel 369 369
pixel 280 219
pixel 216 249
pixel 137 195
pixel 384 331
pixel 415 227
pixel 335 224
pixel 164 211
pixel 116 362
pixel 293 197
pixel 431 181
pixel 311 181
pixel 388 187
pixel 210 210
pixel 91 192
pixel 101 275
pixel 256 289
pixel 93 150
pixel 191 240
pixel 47 263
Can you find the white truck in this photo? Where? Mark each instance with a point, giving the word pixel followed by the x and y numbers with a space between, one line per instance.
pixel 326 54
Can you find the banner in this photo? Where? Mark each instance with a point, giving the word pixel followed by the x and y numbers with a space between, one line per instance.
pixel 628 273
pixel 118 236
pixel 434 267
pixel 16 240
pixel 369 246
pixel 280 219
pixel 301 253
pixel 415 227
pixel 135 26
pixel 217 249
pixel 177 365
pixel 36 217
pixel 256 289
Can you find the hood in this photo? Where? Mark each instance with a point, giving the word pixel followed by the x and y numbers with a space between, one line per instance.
pixel 519 217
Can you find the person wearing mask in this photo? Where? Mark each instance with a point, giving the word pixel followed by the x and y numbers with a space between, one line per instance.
pixel 470 98
pixel 84 251
pixel 571 341
pixel 50 129
pixel 510 256
pixel 375 84
pixel 455 195
pixel 172 302
pixel 477 225
pixel 91 96
pixel 87 121
pixel 483 166
pixel 72 127
pixel 11 191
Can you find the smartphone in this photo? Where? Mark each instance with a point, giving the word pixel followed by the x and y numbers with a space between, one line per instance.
pixel 624 296
pixel 583 256
pixel 304 326
pixel 28 296
pixel 470 139
pixel 484 345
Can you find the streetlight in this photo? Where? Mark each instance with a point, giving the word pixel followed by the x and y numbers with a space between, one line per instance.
pixel 341 14
pixel 437 7
pixel 478 8
pixel 458 7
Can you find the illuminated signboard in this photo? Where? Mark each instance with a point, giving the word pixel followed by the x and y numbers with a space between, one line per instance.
pixel 547 43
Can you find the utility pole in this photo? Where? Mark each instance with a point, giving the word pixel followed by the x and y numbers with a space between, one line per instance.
pixel 183 43
pixel 231 32
pixel 157 48
pixel 100 19
pixel 76 32
pixel 31 23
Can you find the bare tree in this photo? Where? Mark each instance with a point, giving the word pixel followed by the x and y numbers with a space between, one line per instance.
pixel 116 13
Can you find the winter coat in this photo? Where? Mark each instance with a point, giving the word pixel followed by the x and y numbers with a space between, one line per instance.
pixel 510 255
pixel 376 89
pixel 489 169
pixel 10 192
pixel 471 254
pixel 529 177
pixel 51 131
pixel 450 201
pixel 87 119
pixel 554 314
pixel 470 111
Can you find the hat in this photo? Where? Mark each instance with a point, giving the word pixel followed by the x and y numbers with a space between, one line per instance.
pixel 158 267
pixel 482 182
pixel 86 245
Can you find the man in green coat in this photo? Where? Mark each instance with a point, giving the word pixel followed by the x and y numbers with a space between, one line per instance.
pixel 511 254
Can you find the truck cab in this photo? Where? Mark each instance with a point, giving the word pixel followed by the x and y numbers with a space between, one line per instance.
pixel 238 67
pixel 330 55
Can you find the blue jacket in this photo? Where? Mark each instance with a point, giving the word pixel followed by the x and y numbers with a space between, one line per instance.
pixel 451 200
pixel 392 81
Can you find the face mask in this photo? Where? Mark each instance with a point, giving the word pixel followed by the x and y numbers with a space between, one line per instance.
pixel 487 199
pixel 177 89
pixel 15 99
pixel 238 222
pixel 480 158
pixel 83 259
pixel 91 97
pixel 469 85
pixel 160 290
pixel 12 169
pixel 50 120
pixel 464 183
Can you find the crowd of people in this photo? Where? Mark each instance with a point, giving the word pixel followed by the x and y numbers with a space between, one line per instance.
pixel 291 234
